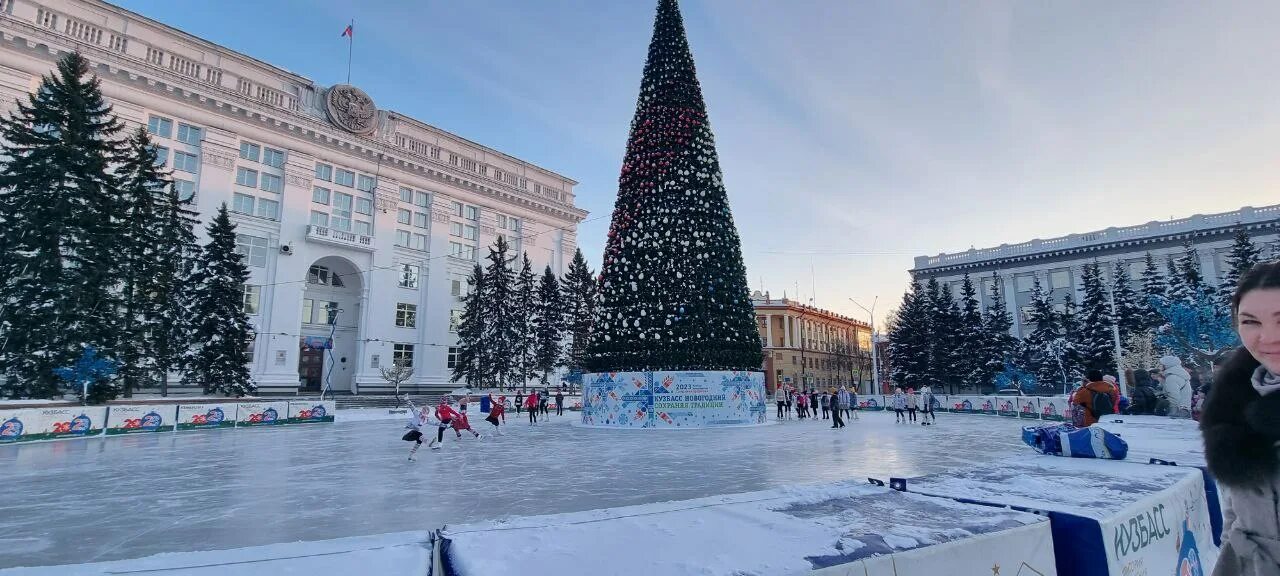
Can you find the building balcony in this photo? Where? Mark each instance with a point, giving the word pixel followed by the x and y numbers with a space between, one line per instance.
pixel 326 235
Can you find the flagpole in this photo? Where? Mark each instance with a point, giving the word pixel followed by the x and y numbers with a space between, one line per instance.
pixel 351 40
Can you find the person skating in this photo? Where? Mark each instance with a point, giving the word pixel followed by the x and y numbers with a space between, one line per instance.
pixel 802 402
pixel 848 402
pixel 444 419
pixel 836 420
pixel 418 417
pixel 825 400
pixel 912 404
pixel 791 395
pixel 519 402
pixel 560 402
pixel 927 416
pixel 813 403
pixel 543 399
pixel 497 414
pixel 899 404
pixel 531 405
pixel 780 398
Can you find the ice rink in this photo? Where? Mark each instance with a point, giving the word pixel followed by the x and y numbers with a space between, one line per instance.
pixel 126 497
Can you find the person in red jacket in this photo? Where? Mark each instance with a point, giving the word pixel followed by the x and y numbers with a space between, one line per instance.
pixel 531 403
pixel 445 415
pixel 497 413
pixel 462 423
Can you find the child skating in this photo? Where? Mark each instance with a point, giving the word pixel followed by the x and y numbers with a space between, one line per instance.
pixel 899 405
pixel 497 413
pixel 531 404
pixel 417 419
pixel 461 423
pixel 445 415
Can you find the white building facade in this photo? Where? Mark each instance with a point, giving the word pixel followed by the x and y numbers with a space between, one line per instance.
pixel 1059 262
pixel 341 208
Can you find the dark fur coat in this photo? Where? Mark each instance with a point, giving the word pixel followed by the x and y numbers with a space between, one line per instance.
pixel 1240 427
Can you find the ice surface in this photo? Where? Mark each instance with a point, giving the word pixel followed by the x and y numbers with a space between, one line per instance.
pixel 1170 439
pixel 102 499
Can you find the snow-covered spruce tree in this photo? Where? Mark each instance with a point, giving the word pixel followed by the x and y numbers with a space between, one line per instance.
pixel 1045 345
pixel 1155 291
pixel 498 309
pixel 944 334
pixel 471 365
pixel 578 295
pixel 1097 341
pixel 972 345
pixel 220 360
pixel 908 333
pixel 1000 347
pixel 59 218
pixel 143 187
pixel 1188 284
pixel 524 308
pixel 673 288
pixel 1073 333
pixel 1130 312
pixel 177 252
pixel 548 325
pixel 1244 254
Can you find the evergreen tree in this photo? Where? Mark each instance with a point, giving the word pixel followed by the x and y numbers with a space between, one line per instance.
pixel 1187 284
pixel 578 293
pixel 1130 312
pixel 220 363
pixel 1069 323
pixel 1155 291
pixel 523 310
pixel 972 346
pixel 1097 341
pixel 946 365
pixel 173 286
pixel 471 364
pixel 142 192
pixel 1244 254
pixel 548 325
pixel 59 217
pixel 1046 345
pixel 909 345
pixel 1001 348
pixel 673 290
pixel 500 323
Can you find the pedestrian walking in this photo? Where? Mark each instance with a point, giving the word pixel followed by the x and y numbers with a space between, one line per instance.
pixel 826 405
pixel 560 402
pixel 836 420
pixel 780 398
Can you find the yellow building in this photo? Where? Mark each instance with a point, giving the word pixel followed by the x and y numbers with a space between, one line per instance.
pixel 808 347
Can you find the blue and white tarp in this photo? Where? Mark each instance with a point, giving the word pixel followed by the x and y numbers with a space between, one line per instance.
pixel 1067 440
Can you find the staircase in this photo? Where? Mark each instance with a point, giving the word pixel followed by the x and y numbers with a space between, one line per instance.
pixel 348 402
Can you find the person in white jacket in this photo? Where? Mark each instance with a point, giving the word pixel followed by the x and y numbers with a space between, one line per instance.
pixel 417 419
pixel 1177 386
pixel 899 404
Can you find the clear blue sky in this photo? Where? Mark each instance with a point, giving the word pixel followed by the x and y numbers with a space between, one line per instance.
pixel 852 135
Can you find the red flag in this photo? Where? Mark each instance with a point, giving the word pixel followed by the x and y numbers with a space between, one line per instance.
pixel 348 31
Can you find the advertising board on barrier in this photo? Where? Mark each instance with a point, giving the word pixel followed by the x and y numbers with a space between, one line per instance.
pixel 1007 406
pixel 1028 407
pixel 24 424
pixel 1168 532
pixel 1028 549
pixel 261 413
pixel 961 404
pixel 136 419
pixel 1054 408
pixel 202 416
pixel 987 405
pixel 673 399
pixel 312 411
pixel 871 402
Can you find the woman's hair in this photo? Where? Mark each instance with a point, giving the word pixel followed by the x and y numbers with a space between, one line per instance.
pixel 1142 378
pixel 1261 275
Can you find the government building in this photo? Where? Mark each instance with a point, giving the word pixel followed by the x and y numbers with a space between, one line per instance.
pixel 808 347
pixel 359 225
pixel 1059 262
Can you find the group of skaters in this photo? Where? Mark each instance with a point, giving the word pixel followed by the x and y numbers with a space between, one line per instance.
pixel 832 404
pixel 445 417
pixel 906 403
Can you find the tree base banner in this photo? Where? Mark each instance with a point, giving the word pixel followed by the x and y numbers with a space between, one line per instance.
pixel 314 411
pixel 261 413
pixel 673 399
pixel 202 416
pixel 26 424
pixel 137 419
pixel 1055 409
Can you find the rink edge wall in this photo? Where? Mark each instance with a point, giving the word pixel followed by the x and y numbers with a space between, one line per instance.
pixel 55 423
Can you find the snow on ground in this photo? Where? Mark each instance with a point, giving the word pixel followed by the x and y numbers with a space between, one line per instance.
pixel 102 499
pixel 1160 437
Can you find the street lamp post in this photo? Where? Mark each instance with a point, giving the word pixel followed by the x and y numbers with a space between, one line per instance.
pixel 875 357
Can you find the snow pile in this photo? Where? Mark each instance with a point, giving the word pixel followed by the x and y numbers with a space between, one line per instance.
pixel 785 530
pixel 1176 440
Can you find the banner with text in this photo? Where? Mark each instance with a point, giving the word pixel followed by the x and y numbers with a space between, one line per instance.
pixel 673 399
pixel 1168 532
pixel 1054 408
pixel 1007 406
pixel 135 419
pixel 261 413
pixel 202 416
pixel 1027 548
pixel 311 411
pixel 964 404
pixel 987 405
pixel 24 424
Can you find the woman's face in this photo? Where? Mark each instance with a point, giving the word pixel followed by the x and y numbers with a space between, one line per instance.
pixel 1259 326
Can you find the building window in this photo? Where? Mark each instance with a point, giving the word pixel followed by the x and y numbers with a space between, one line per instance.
pixel 366 183
pixel 253 248
pixel 455 229
pixel 188 134
pixel 269 209
pixel 409 275
pixel 252 295
pixel 345 178
pixel 402 354
pixel 470 232
pixel 324 172
pixel 247 177
pixel 455 318
pixel 186 189
pixel 406 195
pixel 406 315
pixel 364 206
pixel 160 126
pixel 320 219
pixel 272 183
pixel 455 288
pixel 242 203
pixel 473 213
pixel 502 221
pixel 453 357
pixel 320 195
pixel 250 151
pixel 341 211
pixel 185 162
pixel 419 242
pixel 456 207
pixel 1060 279
pixel 364 228
pixel 404 216
pixel 402 238
pixel 1025 283
pixel 162 155
pixel 420 219
pixel 322 276
pixel 422 199
pixel 272 157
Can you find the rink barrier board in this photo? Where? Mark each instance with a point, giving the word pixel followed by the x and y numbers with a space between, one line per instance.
pixel 30 424
pixel 684 399
pixel 56 423
pixel 261 413
pixel 206 415
pixel 1016 548
pixel 141 418
pixel 311 412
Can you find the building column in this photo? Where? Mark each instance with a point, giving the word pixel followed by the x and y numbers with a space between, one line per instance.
pixel 768 330
pixel 1010 292
pixel 786 331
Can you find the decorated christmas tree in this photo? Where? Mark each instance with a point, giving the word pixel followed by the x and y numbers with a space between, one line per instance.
pixel 673 290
